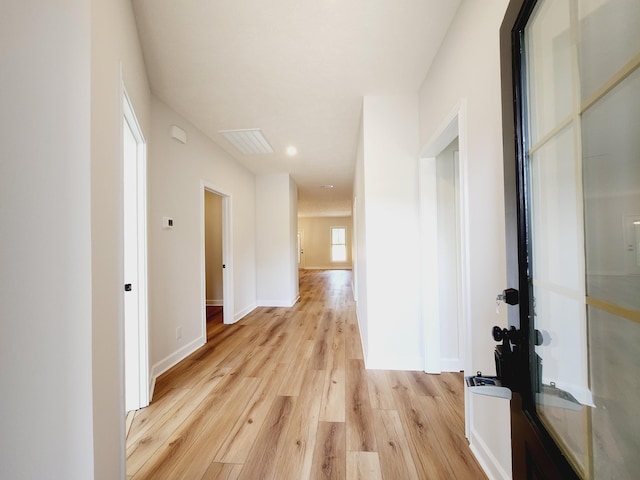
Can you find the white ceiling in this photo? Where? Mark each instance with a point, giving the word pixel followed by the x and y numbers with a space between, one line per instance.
pixel 296 69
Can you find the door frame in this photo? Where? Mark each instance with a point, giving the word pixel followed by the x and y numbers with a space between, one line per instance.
pixel 228 310
pixel 142 358
pixel 453 126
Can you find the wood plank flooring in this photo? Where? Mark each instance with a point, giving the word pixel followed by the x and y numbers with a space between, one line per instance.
pixel 283 394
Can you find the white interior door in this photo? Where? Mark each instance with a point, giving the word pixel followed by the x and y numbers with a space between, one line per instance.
pixel 135 278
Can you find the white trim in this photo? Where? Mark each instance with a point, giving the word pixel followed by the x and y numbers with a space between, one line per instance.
pixel 227 258
pixel 215 303
pixel 175 358
pixel 448 131
pixel 429 259
pixel 455 125
pixel 329 267
pixel 244 312
pixel 450 364
pixel 227 255
pixel 331 244
pixel 278 303
pixel 354 250
pixel 128 115
pixel 486 459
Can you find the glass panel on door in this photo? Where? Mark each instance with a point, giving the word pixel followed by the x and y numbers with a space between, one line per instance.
pixel 611 152
pixel 582 150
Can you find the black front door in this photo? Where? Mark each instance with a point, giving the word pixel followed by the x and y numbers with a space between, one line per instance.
pixel 571 120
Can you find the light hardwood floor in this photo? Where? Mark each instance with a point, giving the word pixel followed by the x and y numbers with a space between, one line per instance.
pixel 283 394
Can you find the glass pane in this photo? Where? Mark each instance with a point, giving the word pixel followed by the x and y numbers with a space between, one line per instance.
pixel 555 214
pixel 612 179
pixel 338 253
pixel 557 283
pixel 612 208
pixel 549 63
pixel 614 345
pixel 609 38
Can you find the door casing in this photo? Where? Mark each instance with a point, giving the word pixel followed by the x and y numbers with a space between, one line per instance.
pixel 228 311
pixel 453 126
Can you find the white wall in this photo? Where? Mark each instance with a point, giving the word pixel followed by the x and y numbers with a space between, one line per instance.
pixel 386 187
pixel 276 240
pixel 317 241
pixel 467 66
pixel 176 295
pixel 114 46
pixel 46 419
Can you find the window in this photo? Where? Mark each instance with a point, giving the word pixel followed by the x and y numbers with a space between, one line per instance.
pixel 338 244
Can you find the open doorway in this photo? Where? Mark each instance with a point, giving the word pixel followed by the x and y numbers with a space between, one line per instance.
pixel 449 266
pixel 443 173
pixel 214 285
pixel 217 267
pixel 136 357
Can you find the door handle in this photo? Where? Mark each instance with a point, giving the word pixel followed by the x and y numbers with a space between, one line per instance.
pixel 510 296
pixel 127 287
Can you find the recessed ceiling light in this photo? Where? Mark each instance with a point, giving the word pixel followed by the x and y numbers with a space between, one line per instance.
pixel 291 150
pixel 326 186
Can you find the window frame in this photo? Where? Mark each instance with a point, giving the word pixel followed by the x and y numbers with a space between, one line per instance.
pixel 331 244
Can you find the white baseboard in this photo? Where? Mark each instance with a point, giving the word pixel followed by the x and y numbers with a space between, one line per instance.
pixel 244 312
pixel 278 303
pixel 329 267
pixel 152 387
pixel 486 459
pixel 214 303
pixel 173 359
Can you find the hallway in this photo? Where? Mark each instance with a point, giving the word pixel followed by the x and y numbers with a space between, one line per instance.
pixel 283 394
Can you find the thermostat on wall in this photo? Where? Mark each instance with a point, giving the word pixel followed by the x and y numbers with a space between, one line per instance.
pixel 167 222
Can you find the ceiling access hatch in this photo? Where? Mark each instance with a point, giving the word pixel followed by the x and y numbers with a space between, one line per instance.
pixel 248 141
